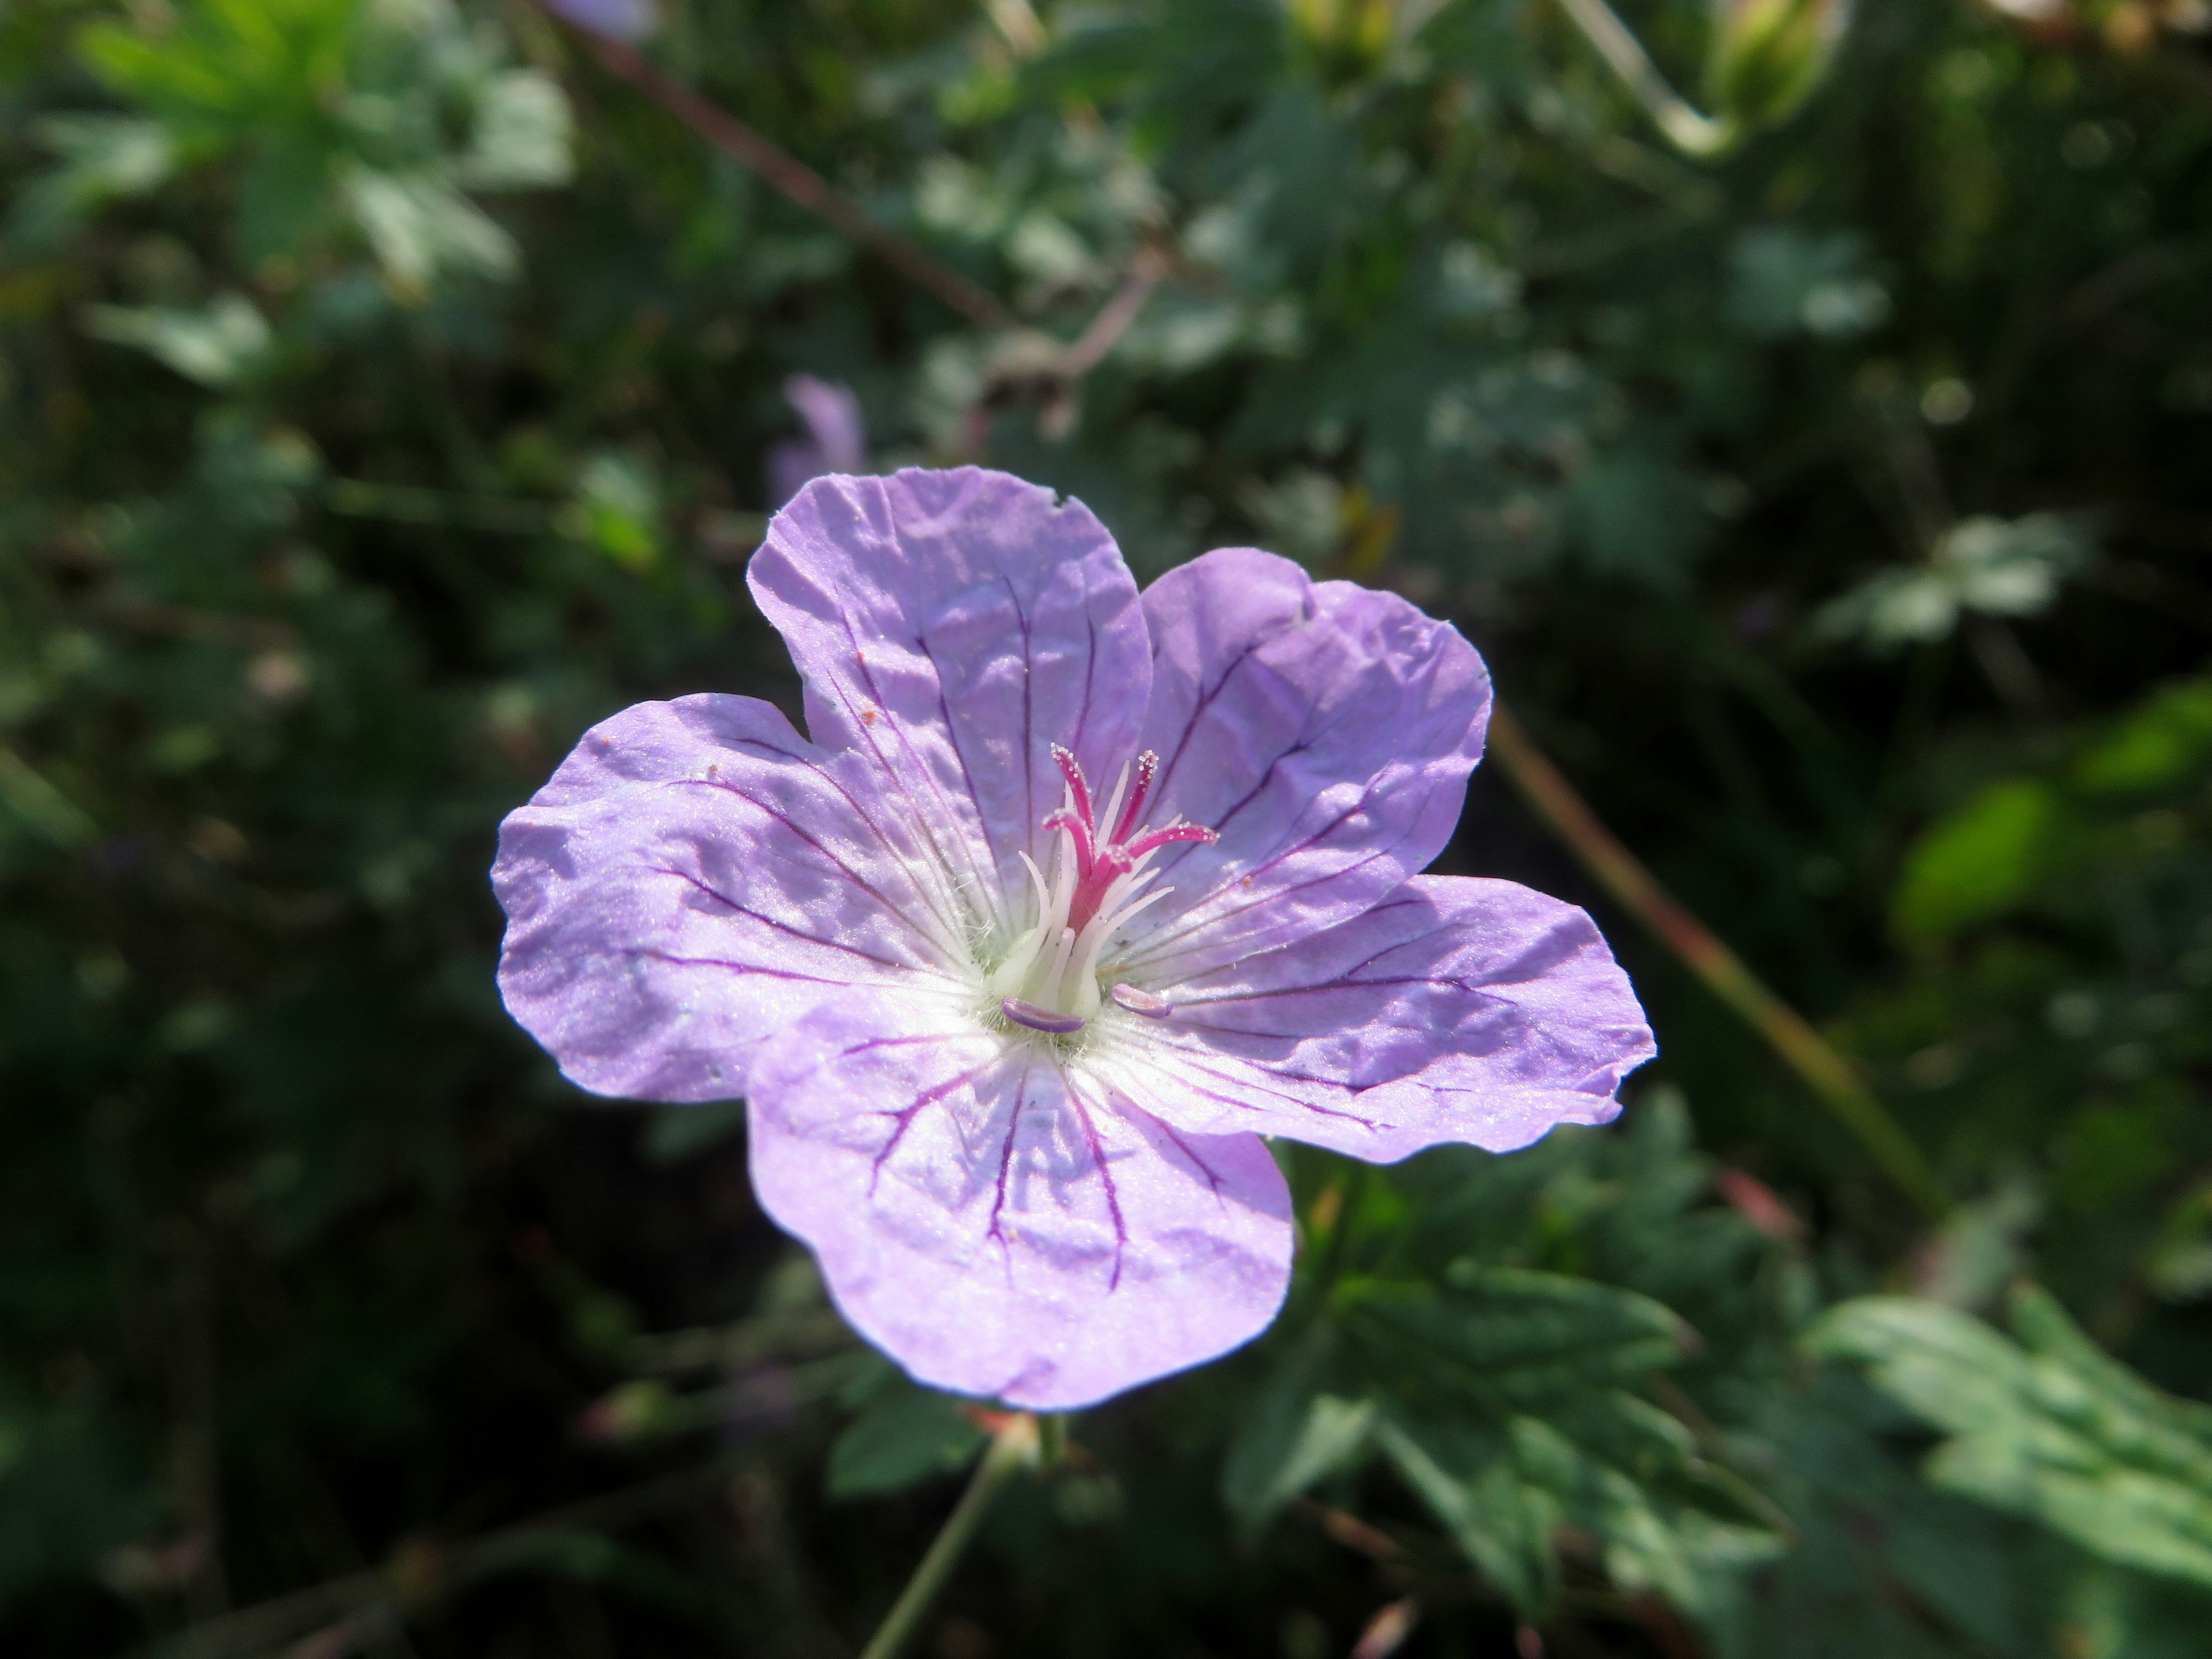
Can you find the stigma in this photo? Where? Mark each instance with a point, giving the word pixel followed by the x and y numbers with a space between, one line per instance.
pixel 1101 879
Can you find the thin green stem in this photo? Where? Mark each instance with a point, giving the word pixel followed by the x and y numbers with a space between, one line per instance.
pixel 1694 134
pixel 1014 1446
pixel 1051 1439
pixel 1826 1071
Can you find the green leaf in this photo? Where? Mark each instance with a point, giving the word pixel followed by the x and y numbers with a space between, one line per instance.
pixel 421 228
pixel 617 510
pixel 1981 862
pixel 905 1437
pixel 1501 1524
pixel 230 68
pixel 1639 515
pixel 2164 744
pixel 2050 1428
pixel 1296 1437
pixel 1620 1469
pixel 1992 567
pixel 1504 1337
pixel 521 136
pixel 1781 279
pixel 102 158
pixel 218 346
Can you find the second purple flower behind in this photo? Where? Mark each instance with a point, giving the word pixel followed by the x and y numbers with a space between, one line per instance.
pixel 1074 894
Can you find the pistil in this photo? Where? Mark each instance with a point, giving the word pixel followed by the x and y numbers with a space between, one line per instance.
pixel 1098 885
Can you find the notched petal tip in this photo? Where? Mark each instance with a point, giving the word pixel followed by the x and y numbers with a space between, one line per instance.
pixel 1141 1002
pixel 1039 1019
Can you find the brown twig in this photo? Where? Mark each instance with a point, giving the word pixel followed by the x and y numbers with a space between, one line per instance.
pixel 1826 1071
pixel 1115 318
pixel 795 179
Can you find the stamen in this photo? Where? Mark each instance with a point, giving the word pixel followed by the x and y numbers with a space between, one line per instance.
pixel 1141 1002
pixel 1077 785
pixel 1173 833
pixel 1078 833
pixel 1039 1019
pixel 1148 763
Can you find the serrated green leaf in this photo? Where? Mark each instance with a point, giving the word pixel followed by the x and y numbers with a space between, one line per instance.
pixel 1503 1337
pixel 904 1437
pixel 1501 1523
pixel 2055 1431
pixel 1296 1437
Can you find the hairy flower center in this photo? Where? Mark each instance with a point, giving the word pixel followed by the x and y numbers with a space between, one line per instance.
pixel 1049 980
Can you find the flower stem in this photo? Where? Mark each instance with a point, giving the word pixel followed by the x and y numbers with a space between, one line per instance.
pixel 1694 134
pixel 1827 1072
pixel 1052 1440
pixel 1014 1446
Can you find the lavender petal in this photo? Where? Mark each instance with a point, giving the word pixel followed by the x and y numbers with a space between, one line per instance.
pixel 951 626
pixel 1456 1009
pixel 1001 1229
pixel 1325 731
pixel 694 877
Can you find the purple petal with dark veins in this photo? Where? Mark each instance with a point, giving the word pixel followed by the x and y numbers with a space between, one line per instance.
pixel 998 1228
pixel 1325 731
pixel 694 877
pixel 953 626
pixel 1456 1009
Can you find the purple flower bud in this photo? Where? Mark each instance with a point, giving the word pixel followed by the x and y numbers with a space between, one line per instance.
pixel 619 20
pixel 837 440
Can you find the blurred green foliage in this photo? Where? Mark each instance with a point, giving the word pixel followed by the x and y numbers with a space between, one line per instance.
pixel 384 396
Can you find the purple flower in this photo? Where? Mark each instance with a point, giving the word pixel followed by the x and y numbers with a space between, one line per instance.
pixel 1010 1043
pixel 835 440
pixel 619 20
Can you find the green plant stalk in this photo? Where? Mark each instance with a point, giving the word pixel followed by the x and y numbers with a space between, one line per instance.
pixel 1051 1439
pixel 1014 1446
pixel 1694 134
pixel 1806 1053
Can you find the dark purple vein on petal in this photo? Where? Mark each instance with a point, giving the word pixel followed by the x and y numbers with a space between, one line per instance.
pixel 1206 701
pixel 785 927
pixel 767 810
pixel 1005 1164
pixel 1212 1177
pixel 896 853
pixel 921 819
pixel 903 1118
pixel 1105 1177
